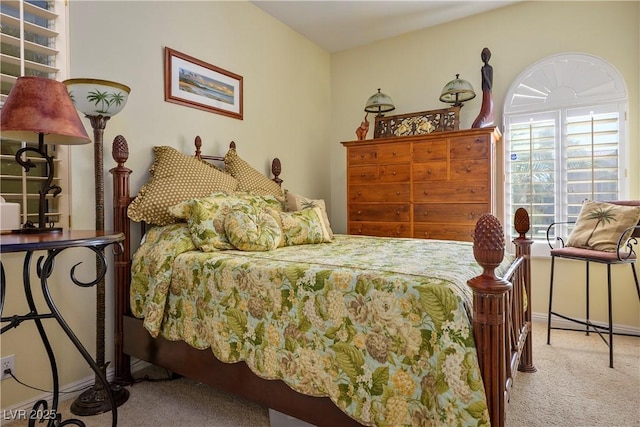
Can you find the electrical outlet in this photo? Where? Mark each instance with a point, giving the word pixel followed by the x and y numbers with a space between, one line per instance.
pixel 7 362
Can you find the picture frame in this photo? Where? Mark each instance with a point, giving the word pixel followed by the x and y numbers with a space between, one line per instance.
pixel 194 83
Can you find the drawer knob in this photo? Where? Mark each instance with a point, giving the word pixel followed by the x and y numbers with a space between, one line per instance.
pixel 468 168
pixel 429 171
pixel 473 190
pixel 393 153
pixel 468 147
pixel 425 213
pixel 362 156
pixel 426 234
pixel 478 139
pixel 359 193
pixel 397 193
pixel 426 193
pixel 359 213
pixel 398 212
pixel 472 215
pixel 395 173
pixel 429 150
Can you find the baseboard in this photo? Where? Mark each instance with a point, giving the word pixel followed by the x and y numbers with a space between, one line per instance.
pixel 620 329
pixel 67 392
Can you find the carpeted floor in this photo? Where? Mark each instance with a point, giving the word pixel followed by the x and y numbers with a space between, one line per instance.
pixel 574 386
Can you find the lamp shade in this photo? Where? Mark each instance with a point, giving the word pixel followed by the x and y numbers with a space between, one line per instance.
pixel 94 97
pixel 457 91
pixel 379 103
pixel 39 109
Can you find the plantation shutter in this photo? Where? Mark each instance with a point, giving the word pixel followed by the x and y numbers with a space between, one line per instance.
pixel 33 44
pixel 565 141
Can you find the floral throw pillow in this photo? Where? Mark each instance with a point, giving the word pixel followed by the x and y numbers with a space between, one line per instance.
pixel 303 227
pixel 250 229
pixel 205 216
pixel 600 225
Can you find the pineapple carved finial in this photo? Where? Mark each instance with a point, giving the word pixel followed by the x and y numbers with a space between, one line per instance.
pixel 120 150
pixel 488 248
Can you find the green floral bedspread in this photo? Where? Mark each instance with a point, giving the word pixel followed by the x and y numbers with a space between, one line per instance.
pixel 379 325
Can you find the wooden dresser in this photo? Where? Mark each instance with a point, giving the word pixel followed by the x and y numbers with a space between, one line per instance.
pixel 432 186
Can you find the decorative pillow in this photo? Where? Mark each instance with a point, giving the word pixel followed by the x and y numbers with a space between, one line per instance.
pixel 250 229
pixel 175 177
pixel 248 178
pixel 303 227
pixel 205 216
pixel 295 202
pixel 600 225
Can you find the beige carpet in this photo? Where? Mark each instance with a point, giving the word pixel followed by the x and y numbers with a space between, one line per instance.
pixel 574 386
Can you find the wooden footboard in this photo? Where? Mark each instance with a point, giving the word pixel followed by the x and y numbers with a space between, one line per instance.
pixel 501 323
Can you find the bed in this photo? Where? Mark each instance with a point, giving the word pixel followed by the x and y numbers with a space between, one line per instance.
pixel 336 330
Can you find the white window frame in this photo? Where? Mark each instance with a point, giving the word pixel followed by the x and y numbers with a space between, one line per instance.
pixel 550 88
pixel 59 72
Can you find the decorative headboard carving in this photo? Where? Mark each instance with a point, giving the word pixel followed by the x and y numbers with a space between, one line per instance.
pixel 421 123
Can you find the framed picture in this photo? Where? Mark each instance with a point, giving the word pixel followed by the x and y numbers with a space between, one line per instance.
pixel 194 83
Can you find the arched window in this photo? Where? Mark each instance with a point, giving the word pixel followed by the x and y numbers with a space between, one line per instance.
pixel 565 138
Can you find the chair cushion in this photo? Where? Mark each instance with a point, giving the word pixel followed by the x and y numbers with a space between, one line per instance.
pixel 600 225
pixel 592 255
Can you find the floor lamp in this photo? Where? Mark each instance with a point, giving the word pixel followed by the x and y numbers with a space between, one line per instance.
pixel 98 100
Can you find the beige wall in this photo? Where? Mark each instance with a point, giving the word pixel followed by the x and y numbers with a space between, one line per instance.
pixel 413 68
pixel 299 103
pixel 286 114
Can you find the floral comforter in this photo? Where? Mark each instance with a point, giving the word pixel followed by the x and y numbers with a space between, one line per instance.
pixel 379 325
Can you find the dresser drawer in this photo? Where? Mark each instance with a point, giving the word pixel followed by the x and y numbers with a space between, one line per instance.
pixel 449 212
pixel 380 193
pixel 367 154
pixel 394 153
pixel 458 232
pixel 460 191
pixel 470 170
pixel 379 212
pixel 398 172
pixel 381 229
pixel 432 171
pixel 470 148
pixel 363 174
pixel 430 150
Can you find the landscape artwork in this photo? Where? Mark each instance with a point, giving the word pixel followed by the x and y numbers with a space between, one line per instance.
pixel 197 84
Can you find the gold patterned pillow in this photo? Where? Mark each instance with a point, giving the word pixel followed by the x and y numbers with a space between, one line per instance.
pixel 600 225
pixel 248 178
pixel 174 178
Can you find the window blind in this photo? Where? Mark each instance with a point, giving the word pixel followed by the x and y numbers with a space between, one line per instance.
pixel 32 45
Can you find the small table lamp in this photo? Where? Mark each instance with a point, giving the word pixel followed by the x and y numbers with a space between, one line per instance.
pixel 39 110
pixel 457 91
pixel 379 103
pixel 98 100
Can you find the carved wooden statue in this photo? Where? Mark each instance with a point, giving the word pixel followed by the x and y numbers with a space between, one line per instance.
pixel 361 131
pixel 485 118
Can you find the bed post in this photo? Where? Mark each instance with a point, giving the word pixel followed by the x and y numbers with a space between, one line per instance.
pixel 523 249
pixel 489 316
pixel 122 259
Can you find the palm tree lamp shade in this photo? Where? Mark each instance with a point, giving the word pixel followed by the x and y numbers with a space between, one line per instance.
pixel 379 103
pixel 98 100
pixel 39 110
pixel 457 91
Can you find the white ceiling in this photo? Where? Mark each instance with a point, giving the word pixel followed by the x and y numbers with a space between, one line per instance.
pixel 338 25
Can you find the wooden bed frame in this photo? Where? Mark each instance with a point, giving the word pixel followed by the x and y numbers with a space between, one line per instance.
pixel 502 329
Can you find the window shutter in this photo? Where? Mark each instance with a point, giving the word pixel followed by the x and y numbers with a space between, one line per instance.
pixel 32 45
pixel 565 139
